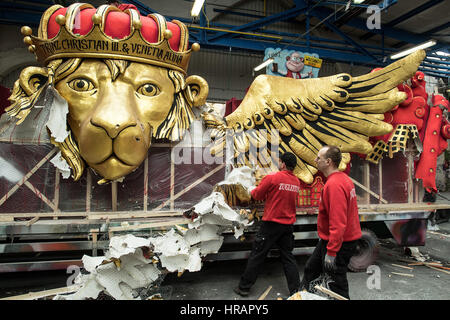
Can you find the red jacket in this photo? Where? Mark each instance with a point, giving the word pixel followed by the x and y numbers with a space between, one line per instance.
pixel 338 218
pixel 280 191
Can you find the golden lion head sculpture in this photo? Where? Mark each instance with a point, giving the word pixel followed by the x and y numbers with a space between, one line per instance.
pixel 123 77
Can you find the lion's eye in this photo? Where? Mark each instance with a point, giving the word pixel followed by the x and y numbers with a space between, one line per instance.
pixel 148 90
pixel 81 84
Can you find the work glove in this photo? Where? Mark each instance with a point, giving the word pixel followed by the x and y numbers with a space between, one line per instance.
pixel 329 263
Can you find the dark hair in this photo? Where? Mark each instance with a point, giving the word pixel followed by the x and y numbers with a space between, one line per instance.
pixel 289 159
pixel 334 154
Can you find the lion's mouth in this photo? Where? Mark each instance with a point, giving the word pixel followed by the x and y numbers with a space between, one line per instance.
pixel 114 157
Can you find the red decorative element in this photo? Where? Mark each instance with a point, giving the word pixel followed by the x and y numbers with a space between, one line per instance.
pixel 231 105
pixel 406 89
pixel 434 143
pixel 309 194
pixel 4 95
pixel 420 112
pixel 117 25
pixel 418 85
pixel 433 129
pixel 445 130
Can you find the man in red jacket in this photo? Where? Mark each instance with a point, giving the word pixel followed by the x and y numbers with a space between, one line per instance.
pixel 337 225
pixel 280 191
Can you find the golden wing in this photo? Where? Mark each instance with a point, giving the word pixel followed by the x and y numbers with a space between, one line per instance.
pixel 281 114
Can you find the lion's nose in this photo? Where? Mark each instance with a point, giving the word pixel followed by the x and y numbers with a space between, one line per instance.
pixel 114 125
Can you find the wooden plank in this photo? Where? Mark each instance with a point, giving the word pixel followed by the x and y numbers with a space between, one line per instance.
pixel 368 191
pixel 114 195
pixel 400 266
pixel 88 190
pixel 27 176
pixel 150 225
pixel 410 176
pixel 192 185
pixel 172 185
pixel 29 223
pixel 145 183
pixel 366 182
pixel 380 180
pixel 43 294
pixel 330 293
pixel 92 215
pixel 147 214
pixel 437 269
pixel 56 194
pixel 402 207
pixel 403 274
pixel 40 195
pixel 265 293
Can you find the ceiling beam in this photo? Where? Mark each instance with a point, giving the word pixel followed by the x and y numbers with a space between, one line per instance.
pixel 335 29
pixel 405 16
pixel 282 16
pixel 438 28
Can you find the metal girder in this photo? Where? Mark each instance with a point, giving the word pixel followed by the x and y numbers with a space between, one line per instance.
pixel 388 31
pixel 255 45
pixel 438 28
pixel 282 16
pixel 348 39
pixel 406 16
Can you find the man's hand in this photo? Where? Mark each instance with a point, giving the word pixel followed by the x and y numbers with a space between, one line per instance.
pixel 329 263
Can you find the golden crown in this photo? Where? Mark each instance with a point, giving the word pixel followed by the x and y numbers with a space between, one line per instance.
pixel 97 44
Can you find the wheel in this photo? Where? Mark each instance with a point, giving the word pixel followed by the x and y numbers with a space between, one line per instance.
pixel 367 251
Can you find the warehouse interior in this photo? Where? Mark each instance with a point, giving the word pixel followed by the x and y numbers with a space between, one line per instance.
pixel 234 34
pixel 52 222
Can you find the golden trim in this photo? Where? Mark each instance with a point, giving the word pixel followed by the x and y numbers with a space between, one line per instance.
pixel 42 31
pixel 96 44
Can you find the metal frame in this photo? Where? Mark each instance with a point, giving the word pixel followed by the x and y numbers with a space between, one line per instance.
pixel 256 35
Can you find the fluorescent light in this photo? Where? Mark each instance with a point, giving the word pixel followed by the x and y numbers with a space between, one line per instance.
pixel 442 53
pixel 427 44
pixel 198 4
pixel 265 63
pixel 358 1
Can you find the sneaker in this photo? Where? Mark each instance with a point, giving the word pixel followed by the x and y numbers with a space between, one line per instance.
pixel 241 292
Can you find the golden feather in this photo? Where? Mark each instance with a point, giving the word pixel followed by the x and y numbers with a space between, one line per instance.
pixel 340 110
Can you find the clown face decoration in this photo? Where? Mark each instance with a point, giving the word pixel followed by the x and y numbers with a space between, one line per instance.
pixel 123 77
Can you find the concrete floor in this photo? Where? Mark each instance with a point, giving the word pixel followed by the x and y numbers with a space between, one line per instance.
pixel 217 279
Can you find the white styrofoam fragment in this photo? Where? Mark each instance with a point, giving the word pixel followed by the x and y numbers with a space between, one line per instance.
pixel 211 246
pixel 123 245
pixel 57 121
pixel 204 232
pixel 110 277
pixel 224 210
pixel 59 162
pixel 242 175
pixel 150 271
pixel 212 218
pixel 238 231
pixel 205 205
pixel 90 289
pixel 175 262
pixel 195 261
pixel 90 263
pixel 8 171
pixel 170 244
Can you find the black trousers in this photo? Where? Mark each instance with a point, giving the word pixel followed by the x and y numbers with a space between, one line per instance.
pixel 272 234
pixel 314 267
